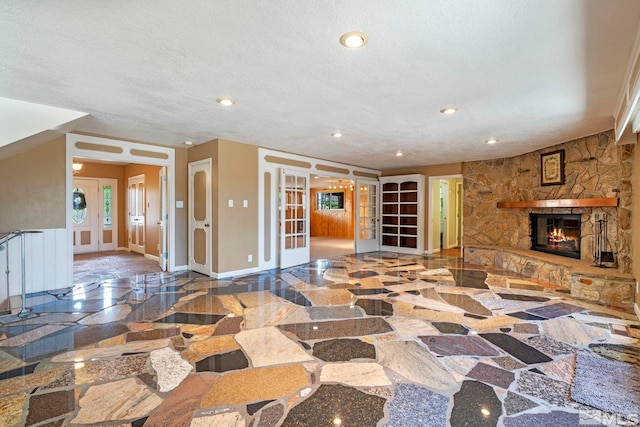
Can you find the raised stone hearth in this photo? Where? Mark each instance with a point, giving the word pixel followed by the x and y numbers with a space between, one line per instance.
pixel 605 286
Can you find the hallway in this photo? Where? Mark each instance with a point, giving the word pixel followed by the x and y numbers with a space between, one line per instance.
pixel 379 339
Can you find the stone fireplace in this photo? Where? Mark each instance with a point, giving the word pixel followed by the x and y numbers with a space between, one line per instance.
pixel 501 196
pixel 557 234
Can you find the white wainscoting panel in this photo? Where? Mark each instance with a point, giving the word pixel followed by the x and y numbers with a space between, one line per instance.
pixel 46 263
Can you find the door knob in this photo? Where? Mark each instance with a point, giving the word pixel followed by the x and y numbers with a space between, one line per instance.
pixel 206 225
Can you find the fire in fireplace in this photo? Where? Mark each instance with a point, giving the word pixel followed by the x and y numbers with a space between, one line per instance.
pixel 556 234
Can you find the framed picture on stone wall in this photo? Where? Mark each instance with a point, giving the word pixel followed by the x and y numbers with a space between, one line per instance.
pixel 552 168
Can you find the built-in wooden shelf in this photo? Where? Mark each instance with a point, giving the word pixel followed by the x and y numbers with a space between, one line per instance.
pixel 562 203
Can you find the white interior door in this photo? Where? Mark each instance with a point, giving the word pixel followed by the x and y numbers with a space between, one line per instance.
pixel 367 220
pixel 163 219
pixel 136 214
pixel 86 216
pixel 294 218
pixel 200 216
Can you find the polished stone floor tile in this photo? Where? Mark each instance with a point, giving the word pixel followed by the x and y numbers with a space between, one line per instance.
pixel 417 406
pixel 552 311
pixel 416 364
pixel 514 403
pixel 338 328
pixel 252 385
pixel 466 303
pixel 269 346
pixel 359 374
pixel 492 375
pixel 224 362
pixel 343 350
pixel 516 348
pixel 376 339
pixel 50 405
pixel 332 405
pixel 622 353
pixel 476 404
pixel 459 346
pixel 450 328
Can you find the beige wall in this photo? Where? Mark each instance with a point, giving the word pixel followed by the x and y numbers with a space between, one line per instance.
pixel 33 188
pixel 181 220
pixel 234 176
pixel 428 171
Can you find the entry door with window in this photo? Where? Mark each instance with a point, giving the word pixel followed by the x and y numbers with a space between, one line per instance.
pixel 200 216
pixel 366 216
pixel 86 216
pixel 294 218
pixel 136 213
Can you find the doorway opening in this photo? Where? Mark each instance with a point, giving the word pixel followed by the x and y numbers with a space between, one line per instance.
pixel 332 208
pixel 445 215
pixel 111 164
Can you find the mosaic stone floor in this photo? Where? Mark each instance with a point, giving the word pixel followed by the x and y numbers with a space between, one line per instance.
pixel 375 340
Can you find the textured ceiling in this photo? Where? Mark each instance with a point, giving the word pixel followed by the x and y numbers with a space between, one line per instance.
pixel 529 73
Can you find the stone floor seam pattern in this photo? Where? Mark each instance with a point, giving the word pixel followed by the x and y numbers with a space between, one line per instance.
pixel 375 339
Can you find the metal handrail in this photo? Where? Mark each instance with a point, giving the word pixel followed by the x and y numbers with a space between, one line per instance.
pixel 4 241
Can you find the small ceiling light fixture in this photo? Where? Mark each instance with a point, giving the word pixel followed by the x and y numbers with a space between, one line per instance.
pixel 353 39
pixel 399 154
pixel 76 167
pixel 188 143
pixel 225 101
pixel 336 134
pixel 449 110
pixel 491 141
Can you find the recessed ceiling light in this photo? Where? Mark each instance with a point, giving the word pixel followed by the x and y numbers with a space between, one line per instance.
pixel 225 101
pixel 354 39
pixel 188 143
pixel 491 141
pixel 336 134
pixel 448 110
pixel 399 154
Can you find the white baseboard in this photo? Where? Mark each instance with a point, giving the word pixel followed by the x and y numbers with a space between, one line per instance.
pixel 180 268
pixel 122 248
pixel 152 257
pixel 637 310
pixel 226 274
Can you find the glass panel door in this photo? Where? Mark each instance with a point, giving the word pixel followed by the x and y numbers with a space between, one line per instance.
pixel 366 221
pixel 294 218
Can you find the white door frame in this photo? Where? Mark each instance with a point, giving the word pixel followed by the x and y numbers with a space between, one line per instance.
pixel 458 214
pixel 204 165
pixel 433 210
pixel 107 149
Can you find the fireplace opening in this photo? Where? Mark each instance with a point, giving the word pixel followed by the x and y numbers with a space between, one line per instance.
pixel 557 234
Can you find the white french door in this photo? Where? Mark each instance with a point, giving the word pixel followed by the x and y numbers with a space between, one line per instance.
pixel 200 216
pixel 86 216
pixel 136 214
pixel 367 220
pixel 294 218
pixel 163 220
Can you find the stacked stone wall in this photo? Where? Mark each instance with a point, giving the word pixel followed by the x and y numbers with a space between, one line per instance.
pixel 594 168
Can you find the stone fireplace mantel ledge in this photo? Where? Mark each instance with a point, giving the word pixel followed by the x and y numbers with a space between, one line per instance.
pixel 606 286
pixel 561 203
